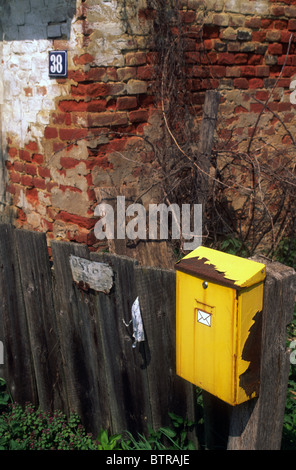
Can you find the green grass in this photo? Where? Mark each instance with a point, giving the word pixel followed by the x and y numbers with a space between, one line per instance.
pixel 30 428
pixel 27 428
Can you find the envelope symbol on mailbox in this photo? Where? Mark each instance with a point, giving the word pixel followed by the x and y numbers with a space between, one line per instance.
pixel 204 317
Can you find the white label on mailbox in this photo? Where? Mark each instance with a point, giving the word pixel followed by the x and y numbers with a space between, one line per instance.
pixel 204 317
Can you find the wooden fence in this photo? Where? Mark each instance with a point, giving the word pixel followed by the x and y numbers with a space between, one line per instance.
pixel 68 343
pixel 67 346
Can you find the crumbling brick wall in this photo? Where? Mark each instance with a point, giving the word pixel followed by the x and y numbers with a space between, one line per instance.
pixel 64 139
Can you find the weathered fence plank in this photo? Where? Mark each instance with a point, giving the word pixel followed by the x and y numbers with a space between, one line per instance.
pixel 18 367
pixel 76 325
pixel 127 375
pixel 38 302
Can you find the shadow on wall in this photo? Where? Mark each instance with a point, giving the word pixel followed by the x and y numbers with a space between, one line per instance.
pixel 36 19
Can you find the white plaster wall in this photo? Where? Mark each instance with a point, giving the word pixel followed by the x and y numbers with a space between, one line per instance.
pixel 115 27
pixel 29 27
pixel 27 93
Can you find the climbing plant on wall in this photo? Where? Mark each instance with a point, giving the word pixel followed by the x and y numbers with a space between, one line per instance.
pixel 252 186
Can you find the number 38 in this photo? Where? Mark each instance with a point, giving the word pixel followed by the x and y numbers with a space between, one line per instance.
pixel 56 63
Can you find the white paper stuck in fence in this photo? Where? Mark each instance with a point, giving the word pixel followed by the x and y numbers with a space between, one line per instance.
pixel 138 327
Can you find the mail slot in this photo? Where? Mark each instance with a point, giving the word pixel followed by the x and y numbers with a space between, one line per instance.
pixel 219 300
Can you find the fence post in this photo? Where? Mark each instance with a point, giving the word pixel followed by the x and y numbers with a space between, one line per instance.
pixel 257 424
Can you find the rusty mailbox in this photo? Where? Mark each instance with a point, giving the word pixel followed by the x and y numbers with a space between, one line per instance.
pixel 218 324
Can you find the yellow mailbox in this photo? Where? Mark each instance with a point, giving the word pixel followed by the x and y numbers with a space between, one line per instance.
pixel 218 329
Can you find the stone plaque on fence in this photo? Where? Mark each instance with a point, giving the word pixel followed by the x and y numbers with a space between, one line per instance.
pixel 91 274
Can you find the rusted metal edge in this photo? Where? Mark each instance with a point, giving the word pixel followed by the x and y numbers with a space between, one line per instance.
pixel 200 267
pixel 249 381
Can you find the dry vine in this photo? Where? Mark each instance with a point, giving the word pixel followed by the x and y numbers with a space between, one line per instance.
pixel 262 176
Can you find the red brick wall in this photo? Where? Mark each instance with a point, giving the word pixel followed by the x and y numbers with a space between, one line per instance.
pixel 237 47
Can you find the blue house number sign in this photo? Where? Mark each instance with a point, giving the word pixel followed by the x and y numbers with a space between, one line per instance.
pixel 58 64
